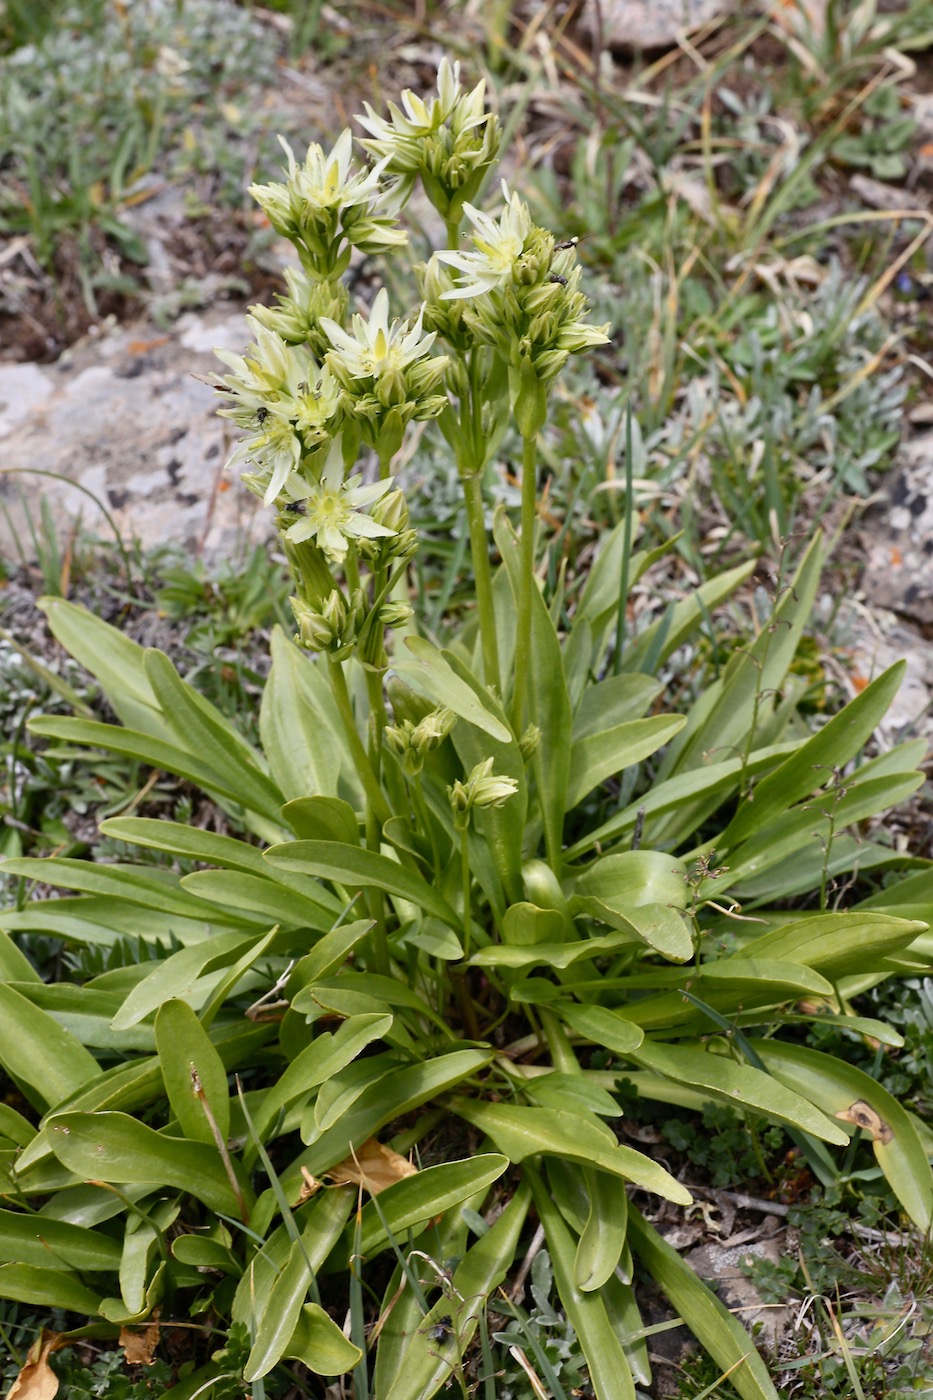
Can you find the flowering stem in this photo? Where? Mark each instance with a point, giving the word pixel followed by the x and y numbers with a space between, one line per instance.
pixel 482 573
pixel 374 794
pixel 465 873
pixel 521 697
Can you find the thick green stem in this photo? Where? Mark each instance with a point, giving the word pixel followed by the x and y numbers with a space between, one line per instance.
pixel 562 1056
pixel 465 875
pixel 522 705
pixel 374 794
pixel 482 573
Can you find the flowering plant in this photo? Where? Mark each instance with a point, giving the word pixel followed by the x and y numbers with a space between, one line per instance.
pixel 454 939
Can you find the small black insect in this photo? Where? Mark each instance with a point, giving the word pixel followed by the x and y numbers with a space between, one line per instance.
pixel 296 507
pixel 262 413
pixel 442 1330
pixel 567 243
pixel 556 277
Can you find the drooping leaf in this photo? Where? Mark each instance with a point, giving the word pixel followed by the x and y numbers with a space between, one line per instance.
pixel 35 1049
pixel 194 1074
pixel 352 865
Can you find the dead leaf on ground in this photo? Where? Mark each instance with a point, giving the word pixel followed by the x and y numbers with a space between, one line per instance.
pixel 139 1347
pixel 37 1380
pixel 864 1116
pixel 373 1166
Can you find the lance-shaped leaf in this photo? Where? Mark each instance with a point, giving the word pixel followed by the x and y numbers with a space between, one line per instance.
pixel 709 1320
pixel 39 1052
pixel 55 1244
pixel 47 1288
pixel 522 1132
pixel 351 865
pixel 426 670
pixel 602 755
pixel 116 1148
pixel 608 1369
pixel 729 1082
pixel 194 1074
pixel 852 1096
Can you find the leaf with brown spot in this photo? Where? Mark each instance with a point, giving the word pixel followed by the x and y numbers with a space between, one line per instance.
pixel 139 1347
pixel 864 1116
pixel 37 1380
pixel 372 1166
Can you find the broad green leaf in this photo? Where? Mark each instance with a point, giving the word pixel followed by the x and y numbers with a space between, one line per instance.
pixel 319 1061
pixel 522 1132
pixel 139 1252
pixel 427 672
pixel 610 751
pixel 194 1074
pixel 525 925
pixel 600 1246
pixel 300 728
pixel 116 1148
pixel 143 885
pixel 145 748
pixel 420 1367
pixel 730 985
pixel 709 1320
pixel 319 1223
pixel 207 847
pixel 47 1288
pixel 202 1253
pixel 558 955
pixel 351 865
pixel 830 747
pixel 613 701
pixel 14 1127
pixel 39 1052
pixel 631 878
pixel 661 927
pixel 602 1027
pixel 415 1200
pixel 318 1342
pixel 713 783
pixel 575 1093
pixel 328 954
pixel 99 919
pixel 14 965
pixel 323 819
pixel 736 1084
pixel 176 976
pixel 110 656
pixel 835 944
pixel 53 1244
pixel 608 1369
pixel 852 1095
pixel 389 1098
pixel 257 894
pixel 204 730
pixel 86 1013
pixel 279 1317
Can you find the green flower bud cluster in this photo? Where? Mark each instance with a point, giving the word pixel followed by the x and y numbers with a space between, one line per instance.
pixel 386 372
pixel 333 626
pixel 326 208
pixel 450 142
pixel 413 742
pixel 297 317
pixel 483 788
pixel 400 542
pixel 521 295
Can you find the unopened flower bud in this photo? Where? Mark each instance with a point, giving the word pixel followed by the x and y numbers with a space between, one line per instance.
pixel 395 614
pixel 483 788
pixel 433 730
pixel 529 742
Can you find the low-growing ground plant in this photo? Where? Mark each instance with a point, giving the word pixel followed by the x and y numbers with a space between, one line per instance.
pixel 485 873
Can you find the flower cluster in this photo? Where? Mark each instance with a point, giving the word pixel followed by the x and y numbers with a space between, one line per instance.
pixel 450 142
pixel 483 788
pixel 326 208
pixel 524 299
pixel 413 742
pixel 387 373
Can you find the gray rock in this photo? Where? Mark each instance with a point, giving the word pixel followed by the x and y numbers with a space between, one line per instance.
pixel 648 24
pixel 122 418
pixel 721 1266
pixel 899 537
